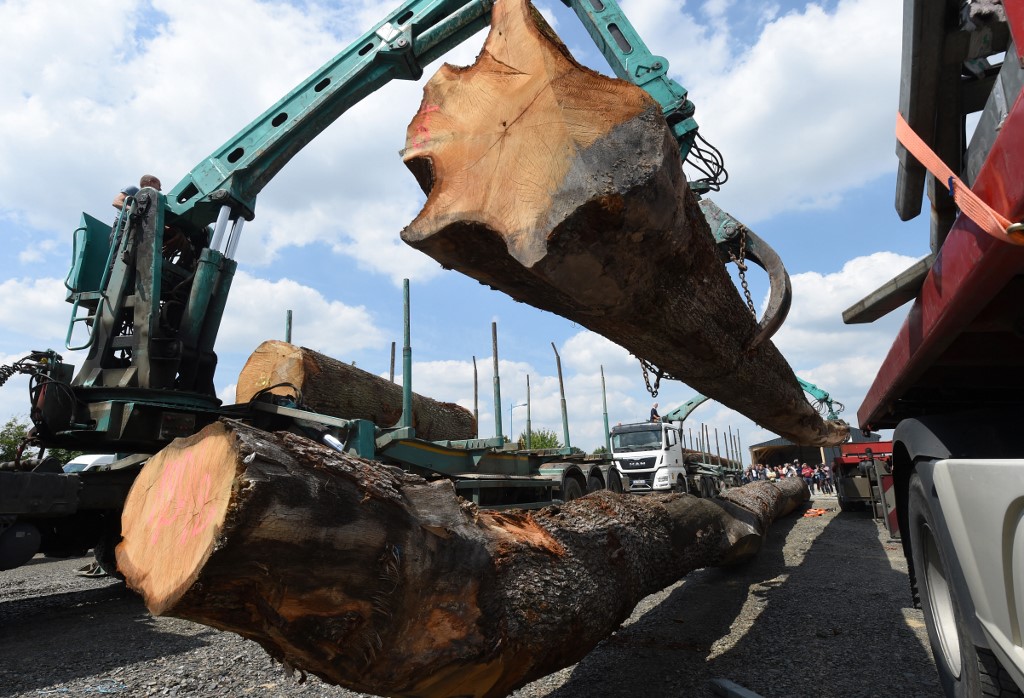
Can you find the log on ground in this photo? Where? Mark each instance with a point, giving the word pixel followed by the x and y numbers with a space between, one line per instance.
pixel 374 579
pixel 564 189
pixel 332 387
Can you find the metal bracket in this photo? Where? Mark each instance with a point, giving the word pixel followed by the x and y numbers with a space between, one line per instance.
pixel 727 230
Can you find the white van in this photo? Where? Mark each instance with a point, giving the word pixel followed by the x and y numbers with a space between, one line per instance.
pixel 90 461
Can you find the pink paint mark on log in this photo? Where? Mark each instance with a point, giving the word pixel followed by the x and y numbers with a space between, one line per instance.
pixel 422 136
pixel 200 513
pixel 169 491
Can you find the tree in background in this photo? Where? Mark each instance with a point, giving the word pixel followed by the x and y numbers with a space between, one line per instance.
pixel 600 451
pixel 541 438
pixel 11 436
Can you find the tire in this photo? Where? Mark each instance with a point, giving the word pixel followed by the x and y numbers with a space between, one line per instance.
pixel 594 484
pixel 965 671
pixel 614 481
pixel 571 489
pixel 680 485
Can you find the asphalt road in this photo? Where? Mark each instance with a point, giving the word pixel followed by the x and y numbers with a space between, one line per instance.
pixel 823 610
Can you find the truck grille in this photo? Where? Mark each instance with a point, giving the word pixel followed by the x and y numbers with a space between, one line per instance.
pixel 637 463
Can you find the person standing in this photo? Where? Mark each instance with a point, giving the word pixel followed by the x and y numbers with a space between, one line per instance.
pixel 808 475
pixel 655 417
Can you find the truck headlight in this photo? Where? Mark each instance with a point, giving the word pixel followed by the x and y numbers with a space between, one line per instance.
pixel 662 477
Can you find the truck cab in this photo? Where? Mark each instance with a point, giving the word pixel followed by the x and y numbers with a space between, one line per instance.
pixel 649 455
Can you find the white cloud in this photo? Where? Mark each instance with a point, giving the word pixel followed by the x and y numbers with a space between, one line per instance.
pixel 256 311
pixel 34 308
pixel 799 122
pixel 38 251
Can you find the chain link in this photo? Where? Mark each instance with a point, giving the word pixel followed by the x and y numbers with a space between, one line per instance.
pixel 647 379
pixel 741 264
pixel 659 375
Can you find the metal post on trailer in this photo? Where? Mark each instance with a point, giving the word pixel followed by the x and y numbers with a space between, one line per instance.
pixel 561 390
pixel 604 403
pixel 529 425
pixel 406 360
pixel 497 382
pixel 288 327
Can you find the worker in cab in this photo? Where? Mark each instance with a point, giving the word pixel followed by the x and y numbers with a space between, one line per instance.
pixel 146 180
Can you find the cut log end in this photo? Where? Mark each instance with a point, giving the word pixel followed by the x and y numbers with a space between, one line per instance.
pixel 522 118
pixel 177 508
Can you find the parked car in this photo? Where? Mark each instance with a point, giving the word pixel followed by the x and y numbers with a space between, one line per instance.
pixel 90 461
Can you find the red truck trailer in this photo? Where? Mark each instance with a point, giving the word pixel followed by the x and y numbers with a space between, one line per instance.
pixel 952 385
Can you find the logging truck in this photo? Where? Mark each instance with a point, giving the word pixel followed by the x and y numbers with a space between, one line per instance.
pixel 951 385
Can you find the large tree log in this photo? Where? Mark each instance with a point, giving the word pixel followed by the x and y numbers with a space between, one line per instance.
pixel 329 386
pixel 374 579
pixel 564 189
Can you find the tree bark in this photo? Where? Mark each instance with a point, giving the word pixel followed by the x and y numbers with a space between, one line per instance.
pixel 331 387
pixel 374 579
pixel 564 189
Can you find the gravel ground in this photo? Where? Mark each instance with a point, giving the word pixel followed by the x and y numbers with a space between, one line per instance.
pixel 824 610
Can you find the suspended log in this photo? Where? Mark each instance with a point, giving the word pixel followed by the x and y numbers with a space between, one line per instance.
pixel 331 387
pixel 376 580
pixel 564 189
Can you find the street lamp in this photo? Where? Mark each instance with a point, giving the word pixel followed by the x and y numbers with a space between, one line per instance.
pixel 511 431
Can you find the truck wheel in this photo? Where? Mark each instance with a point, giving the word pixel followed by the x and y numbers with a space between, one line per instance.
pixel 614 481
pixel 594 484
pixel 680 485
pixel 571 489
pixel 961 672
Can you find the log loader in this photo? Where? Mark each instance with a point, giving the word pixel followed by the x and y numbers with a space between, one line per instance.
pixel 951 385
pixel 148 296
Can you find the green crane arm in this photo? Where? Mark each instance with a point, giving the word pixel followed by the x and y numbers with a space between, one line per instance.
pixel 415 34
pixel 823 402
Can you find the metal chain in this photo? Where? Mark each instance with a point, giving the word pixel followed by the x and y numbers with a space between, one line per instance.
pixel 659 375
pixel 647 379
pixel 741 264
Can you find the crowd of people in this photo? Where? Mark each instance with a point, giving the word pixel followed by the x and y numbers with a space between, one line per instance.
pixel 817 477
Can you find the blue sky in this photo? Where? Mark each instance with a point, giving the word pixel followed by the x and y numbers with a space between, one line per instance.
pixel 800 97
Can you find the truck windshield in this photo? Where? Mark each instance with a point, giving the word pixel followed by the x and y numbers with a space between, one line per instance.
pixel 647 440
